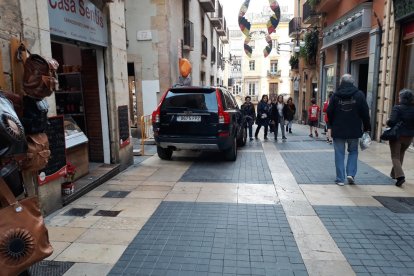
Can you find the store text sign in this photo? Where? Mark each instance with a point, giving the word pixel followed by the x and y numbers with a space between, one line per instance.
pixel 78 19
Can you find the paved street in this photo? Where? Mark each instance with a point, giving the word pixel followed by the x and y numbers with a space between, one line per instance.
pixel 275 211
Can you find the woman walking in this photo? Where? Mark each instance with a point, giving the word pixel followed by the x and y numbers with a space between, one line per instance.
pixel 263 116
pixel 279 113
pixel 290 113
pixel 326 119
pixel 404 112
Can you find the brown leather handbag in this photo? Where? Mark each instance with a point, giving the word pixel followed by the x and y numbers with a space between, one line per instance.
pixel 38 152
pixel 24 239
pixel 40 78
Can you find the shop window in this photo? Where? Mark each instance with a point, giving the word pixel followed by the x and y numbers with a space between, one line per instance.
pixel 329 81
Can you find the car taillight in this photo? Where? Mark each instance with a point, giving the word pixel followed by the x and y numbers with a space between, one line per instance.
pixel 224 117
pixel 156 116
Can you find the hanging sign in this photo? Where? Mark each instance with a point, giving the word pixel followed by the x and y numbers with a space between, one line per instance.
pixel 78 19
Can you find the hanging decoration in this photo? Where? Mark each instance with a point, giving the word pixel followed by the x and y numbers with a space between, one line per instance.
pixel 272 24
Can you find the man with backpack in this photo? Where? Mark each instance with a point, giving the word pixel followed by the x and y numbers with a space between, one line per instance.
pixel 313 114
pixel 348 115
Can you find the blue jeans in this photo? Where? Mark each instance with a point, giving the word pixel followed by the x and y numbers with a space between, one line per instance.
pixel 352 162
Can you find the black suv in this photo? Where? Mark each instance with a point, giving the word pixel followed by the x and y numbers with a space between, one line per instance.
pixel 198 118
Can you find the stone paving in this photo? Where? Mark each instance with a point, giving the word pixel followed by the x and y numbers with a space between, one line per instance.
pixel 161 218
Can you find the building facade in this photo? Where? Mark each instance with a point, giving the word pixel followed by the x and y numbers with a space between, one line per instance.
pixel 87 38
pixel 160 33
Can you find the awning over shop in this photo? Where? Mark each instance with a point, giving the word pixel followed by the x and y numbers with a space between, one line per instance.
pixel 354 23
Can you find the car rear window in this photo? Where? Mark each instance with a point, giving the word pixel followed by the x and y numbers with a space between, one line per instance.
pixel 191 99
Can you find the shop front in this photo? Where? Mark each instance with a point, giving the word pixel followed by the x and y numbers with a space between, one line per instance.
pixel 79 41
pixel 346 49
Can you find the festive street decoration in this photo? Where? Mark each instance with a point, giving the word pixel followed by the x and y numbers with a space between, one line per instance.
pixel 272 24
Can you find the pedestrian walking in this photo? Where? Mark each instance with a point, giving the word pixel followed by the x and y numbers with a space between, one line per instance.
pixel 348 115
pixel 249 113
pixel 263 116
pixel 278 115
pixel 325 117
pixel 404 112
pixel 290 114
pixel 313 120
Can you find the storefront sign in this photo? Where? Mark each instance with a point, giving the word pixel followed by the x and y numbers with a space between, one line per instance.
pixel 354 23
pixel 403 9
pixel 78 19
pixel 123 126
pixel 56 166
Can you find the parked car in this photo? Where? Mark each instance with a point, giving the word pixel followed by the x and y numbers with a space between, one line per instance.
pixel 198 118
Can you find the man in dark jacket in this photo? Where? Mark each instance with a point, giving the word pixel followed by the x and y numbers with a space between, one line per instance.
pixel 348 115
pixel 249 112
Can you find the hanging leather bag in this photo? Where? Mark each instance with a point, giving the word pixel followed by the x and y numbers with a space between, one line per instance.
pixel 40 78
pixel 38 152
pixel 24 238
pixel 34 115
pixel 11 175
pixel 12 136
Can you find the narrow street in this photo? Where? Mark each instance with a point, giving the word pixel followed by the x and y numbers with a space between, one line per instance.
pixel 275 211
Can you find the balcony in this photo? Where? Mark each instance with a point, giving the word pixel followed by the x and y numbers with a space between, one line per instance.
pixel 222 31
pixel 294 26
pixel 274 74
pixel 188 35
pixel 213 55
pixel 204 47
pixel 208 5
pixel 225 38
pixel 326 5
pixel 310 16
pixel 216 17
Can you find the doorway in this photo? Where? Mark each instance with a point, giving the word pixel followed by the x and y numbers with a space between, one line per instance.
pixel 360 74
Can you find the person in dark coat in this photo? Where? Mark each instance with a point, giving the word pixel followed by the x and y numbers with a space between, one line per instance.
pixel 348 115
pixel 249 112
pixel 291 111
pixel 404 112
pixel 263 116
pixel 278 114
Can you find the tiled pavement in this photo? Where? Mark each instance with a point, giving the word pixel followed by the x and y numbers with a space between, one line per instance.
pixel 168 222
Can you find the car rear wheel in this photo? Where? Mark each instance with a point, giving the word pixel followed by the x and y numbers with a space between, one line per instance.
pixel 164 154
pixel 231 153
pixel 241 141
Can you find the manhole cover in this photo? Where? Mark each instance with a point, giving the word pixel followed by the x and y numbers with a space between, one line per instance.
pixel 107 213
pixel 77 212
pixel 50 268
pixel 397 204
pixel 116 194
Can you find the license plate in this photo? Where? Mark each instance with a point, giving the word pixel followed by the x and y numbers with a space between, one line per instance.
pixel 188 118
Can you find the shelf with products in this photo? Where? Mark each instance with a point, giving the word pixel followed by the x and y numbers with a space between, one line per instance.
pixel 69 99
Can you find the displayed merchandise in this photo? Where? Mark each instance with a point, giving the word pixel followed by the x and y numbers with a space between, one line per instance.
pixel 24 238
pixel 11 175
pixel 38 152
pixel 12 136
pixel 40 77
pixel 34 115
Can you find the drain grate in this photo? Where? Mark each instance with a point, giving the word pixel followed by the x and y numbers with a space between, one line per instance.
pixel 397 204
pixel 107 213
pixel 77 212
pixel 116 194
pixel 50 268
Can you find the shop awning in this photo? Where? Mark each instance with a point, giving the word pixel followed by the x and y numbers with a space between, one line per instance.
pixel 354 23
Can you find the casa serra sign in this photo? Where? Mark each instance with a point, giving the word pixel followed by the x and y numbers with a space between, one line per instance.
pixel 78 19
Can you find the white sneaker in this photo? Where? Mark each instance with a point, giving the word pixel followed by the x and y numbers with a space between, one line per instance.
pixel 339 183
pixel 350 179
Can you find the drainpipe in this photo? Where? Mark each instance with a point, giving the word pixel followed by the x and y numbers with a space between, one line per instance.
pixel 381 99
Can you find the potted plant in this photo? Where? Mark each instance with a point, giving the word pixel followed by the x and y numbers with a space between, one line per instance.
pixel 68 187
pixel 294 62
pixel 310 51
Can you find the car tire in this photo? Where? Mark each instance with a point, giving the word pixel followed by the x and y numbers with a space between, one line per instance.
pixel 241 141
pixel 164 154
pixel 231 153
